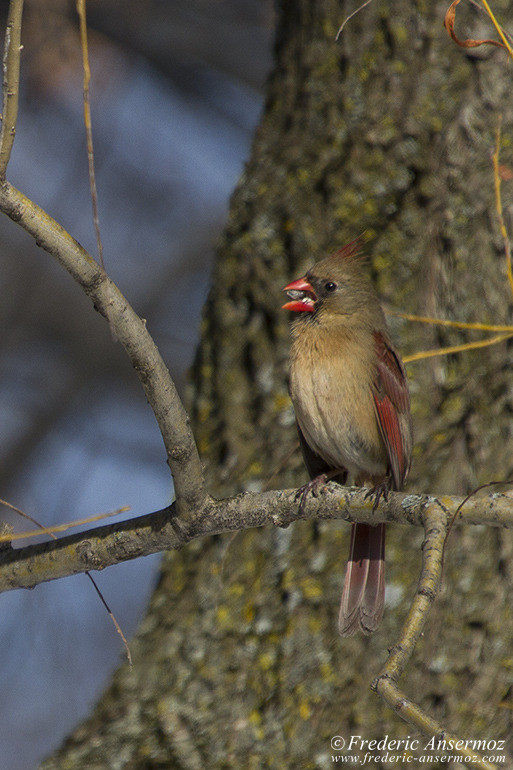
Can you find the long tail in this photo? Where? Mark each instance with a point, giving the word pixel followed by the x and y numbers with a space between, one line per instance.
pixel 363 597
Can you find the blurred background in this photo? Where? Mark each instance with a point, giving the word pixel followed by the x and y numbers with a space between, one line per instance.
pixel 176 93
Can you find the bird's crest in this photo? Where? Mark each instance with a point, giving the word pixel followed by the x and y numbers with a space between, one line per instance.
pixel 350 254
pixel 352 250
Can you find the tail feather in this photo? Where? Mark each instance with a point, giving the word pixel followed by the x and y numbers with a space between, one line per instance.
pixel 363 597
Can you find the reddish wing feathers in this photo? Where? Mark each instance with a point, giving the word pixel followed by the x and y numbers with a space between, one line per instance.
pixel 392 404
pixel 364 588
pixel 391 433
pixel 391 372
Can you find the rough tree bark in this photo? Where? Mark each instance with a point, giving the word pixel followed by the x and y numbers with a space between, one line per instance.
pixel 238 663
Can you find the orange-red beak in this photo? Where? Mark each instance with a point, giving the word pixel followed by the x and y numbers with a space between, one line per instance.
pixel 302 295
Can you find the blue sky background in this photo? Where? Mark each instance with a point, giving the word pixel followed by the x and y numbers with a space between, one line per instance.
pixel 77 435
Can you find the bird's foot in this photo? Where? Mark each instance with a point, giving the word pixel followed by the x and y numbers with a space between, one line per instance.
pixel 313 486
pixel 381 490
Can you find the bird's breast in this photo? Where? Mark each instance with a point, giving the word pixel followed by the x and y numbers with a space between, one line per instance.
pixel 331 381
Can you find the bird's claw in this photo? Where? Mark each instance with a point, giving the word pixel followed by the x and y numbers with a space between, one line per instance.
pixel 313 486
pixel 381 490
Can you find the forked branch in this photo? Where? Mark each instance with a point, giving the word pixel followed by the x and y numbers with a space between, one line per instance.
pixel 131 332
pixel 436 527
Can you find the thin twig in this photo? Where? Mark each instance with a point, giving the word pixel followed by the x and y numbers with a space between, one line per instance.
pixel 81 10
pixel 456 348
pixel 452 324
pixel 11 83
pixel 497 26
pixel 474 492
pixel 350 17
pixel 498 203
pixel 483 10
pixel 113 618
pixel 47 531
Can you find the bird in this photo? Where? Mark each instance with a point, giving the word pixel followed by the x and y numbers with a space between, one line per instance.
pixel 350 395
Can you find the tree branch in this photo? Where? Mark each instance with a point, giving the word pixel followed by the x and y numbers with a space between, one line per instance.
pixel 131 331
pixel 11 83
pixel 166 530
pixel 436 526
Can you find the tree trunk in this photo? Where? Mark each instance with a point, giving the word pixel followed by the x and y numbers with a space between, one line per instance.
pixel 238 662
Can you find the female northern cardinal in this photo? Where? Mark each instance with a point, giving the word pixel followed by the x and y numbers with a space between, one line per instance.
pixel 350 395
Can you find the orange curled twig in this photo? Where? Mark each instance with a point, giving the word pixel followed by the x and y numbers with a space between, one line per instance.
pixel 469 42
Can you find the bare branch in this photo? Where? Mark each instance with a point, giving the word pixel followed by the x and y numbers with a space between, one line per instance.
pixel 166 530
pixel 131 331
pixel 12 50
pixel 436 527
pixel 182 453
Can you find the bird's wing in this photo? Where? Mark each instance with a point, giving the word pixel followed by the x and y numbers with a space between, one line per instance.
pixel 392 405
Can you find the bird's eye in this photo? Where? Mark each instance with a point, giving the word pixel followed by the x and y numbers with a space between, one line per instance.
pixel 330 286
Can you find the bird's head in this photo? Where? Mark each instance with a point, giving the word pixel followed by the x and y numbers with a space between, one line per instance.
pixel 336 286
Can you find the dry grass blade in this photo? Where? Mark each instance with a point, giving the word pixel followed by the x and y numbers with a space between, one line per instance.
pixel 42 530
